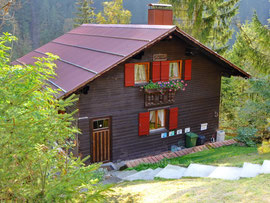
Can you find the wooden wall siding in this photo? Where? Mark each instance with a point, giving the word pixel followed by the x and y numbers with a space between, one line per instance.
pixel 108 96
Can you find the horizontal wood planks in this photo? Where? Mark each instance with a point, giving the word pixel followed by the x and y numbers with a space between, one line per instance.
pixel 108 96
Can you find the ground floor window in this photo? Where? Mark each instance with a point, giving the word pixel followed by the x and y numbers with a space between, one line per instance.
pixel 157 119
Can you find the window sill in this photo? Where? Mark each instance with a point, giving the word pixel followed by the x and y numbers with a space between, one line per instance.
pixel 140 84
pixel 158 131
pixel 172 79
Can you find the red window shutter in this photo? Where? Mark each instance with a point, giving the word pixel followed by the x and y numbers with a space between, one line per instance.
pixel 173 121
pixel 165 68
pixel 188 64
pixel 129 74
pixel 144 123
pixel 156 71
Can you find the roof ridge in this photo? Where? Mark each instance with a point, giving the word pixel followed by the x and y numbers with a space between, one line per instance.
pixel 106 36
pixel 132 26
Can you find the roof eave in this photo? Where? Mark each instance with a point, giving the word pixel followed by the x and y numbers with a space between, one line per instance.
pixel 241 72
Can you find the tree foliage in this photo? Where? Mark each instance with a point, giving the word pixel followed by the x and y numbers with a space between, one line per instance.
pixel 208 21
pixel 113 13
pixel 85 12
pixel 35 138
pixel 251 107
pixel 7 11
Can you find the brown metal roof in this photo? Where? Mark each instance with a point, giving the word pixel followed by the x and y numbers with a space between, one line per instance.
pixel 92 49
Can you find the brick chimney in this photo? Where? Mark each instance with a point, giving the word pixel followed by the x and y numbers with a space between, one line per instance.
pixel 160 14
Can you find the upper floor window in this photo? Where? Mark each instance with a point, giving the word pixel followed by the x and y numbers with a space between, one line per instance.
pixel 138 73
pixel 175 70
pixel 141 71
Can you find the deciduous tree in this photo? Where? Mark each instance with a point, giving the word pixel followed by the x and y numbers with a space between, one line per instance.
pixel 35 138
pixel 113 13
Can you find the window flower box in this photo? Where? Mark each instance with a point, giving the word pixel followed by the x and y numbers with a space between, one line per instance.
pixel 161 93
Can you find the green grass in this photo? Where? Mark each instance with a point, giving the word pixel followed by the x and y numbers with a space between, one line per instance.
pixel 228 137
pixel 194 190
pixel 228 156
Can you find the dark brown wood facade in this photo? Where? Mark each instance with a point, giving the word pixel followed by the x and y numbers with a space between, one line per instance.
pixel 108 97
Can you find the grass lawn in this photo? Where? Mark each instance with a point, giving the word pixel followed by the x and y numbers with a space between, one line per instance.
pixel 226 156
pixel 194 190
pixel 200 189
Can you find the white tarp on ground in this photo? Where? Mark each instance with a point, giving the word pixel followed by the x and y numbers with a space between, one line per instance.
pixel 226 173
pixel 250 170
pixel 199 170
pixel 148 174
pixel 171 172
pixel 265 167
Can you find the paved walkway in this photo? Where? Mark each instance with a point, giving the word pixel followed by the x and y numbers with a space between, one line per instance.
pixel 248 170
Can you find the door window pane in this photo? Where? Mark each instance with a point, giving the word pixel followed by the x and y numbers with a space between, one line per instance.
pixel 98 124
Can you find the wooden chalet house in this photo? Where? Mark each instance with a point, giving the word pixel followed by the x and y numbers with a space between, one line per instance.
pixel 106 65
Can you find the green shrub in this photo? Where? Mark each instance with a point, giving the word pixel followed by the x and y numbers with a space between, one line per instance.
pixel 247 136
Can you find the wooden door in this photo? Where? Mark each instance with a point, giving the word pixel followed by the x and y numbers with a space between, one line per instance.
pixel 101 140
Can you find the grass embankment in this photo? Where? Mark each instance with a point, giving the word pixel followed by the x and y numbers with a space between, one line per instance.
pixel 194 190
pixel 227 156
pixel 201 189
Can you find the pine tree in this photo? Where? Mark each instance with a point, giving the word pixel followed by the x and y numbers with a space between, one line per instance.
pixel 85 13
pixel 252 48
pixel 207 20
pixel 113 13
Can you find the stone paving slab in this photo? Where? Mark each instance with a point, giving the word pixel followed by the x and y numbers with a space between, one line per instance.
pixel 265 167
pixel 199 170
pixel 194 170
pixel 250 170
pixel 123 174
pixel 171 172
pixel 112 180
pixel 148 174
pixel 226 173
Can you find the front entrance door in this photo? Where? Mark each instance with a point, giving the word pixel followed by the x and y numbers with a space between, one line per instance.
pixel 101 140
